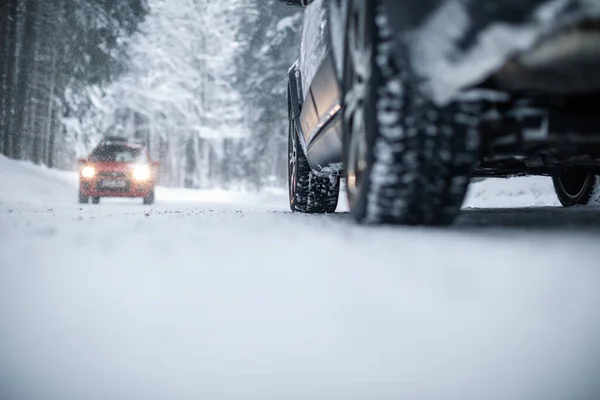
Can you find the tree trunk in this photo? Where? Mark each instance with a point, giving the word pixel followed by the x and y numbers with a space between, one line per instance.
pixel 190 163
pixel 11 70
pixel 22 89
pixel 36 87
pixel 50 134
pixel 3 70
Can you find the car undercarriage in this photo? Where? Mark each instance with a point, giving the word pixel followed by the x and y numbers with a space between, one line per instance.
pixel 539 135
pixel 541 114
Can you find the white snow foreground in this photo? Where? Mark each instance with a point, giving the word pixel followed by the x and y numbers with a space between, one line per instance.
pixel 229 297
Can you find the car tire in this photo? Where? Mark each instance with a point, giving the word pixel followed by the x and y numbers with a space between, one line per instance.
pixel 83 199
pixel 95 200
pixel 406 160
pixel 308 192
pixel 575 186
pixel 149 199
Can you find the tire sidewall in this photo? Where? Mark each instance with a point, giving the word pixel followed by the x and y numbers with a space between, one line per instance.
pixel 292 177
pixel 358 201
pixel 583 197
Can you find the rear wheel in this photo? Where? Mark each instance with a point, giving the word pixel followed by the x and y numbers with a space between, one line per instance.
pixel 308 193
pixel 95 200
pixel 406 160
pixel 575 186
pixel 149 199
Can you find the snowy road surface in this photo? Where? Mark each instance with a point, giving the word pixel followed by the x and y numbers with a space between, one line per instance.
pixel 214 295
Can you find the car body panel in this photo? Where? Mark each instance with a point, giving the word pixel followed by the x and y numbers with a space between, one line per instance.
pixel 322 102
pixel 325 89
pixel 315 44
pixel 129 192
pixel 309 119
pixel 321 91
pixel 325 152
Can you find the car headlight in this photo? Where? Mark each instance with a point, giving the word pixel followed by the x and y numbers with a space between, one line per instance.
pixel 88 172
pixel 141 173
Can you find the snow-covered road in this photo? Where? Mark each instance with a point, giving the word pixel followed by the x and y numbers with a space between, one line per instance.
pixel 216 295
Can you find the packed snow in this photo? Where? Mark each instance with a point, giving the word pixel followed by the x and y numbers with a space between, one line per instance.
pixel 218 295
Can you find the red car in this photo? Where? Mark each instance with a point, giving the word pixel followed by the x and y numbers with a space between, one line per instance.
pixel 117 168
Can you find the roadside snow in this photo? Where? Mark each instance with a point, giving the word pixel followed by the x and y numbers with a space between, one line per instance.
pixel 535 191
pixel 22 183
pixel 227 296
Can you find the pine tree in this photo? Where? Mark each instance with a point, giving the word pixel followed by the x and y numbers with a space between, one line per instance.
pixel 271 43
pixel 53 50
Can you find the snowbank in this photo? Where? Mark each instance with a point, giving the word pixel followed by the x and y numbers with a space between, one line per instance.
pixel 23 183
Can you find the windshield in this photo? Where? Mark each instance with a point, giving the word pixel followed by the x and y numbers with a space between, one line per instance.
pixel 117 154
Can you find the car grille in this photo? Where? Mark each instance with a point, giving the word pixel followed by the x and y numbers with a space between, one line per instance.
pixel 101 187
pixel 112 174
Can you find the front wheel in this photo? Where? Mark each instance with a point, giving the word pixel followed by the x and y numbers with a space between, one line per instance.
pixel 95 200
pixel 149 199
pixel 83 199
pixel 407 160
pixel 575 186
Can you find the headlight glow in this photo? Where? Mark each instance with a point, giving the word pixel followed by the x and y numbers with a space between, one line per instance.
pixel 88 172
pixel 141 173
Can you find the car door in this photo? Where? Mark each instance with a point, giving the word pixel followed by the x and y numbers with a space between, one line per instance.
pixel 319 85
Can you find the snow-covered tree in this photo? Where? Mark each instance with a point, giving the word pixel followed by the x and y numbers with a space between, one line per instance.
pixel 179 88
pixel 52 50
pixel 203 81
pixel 270 39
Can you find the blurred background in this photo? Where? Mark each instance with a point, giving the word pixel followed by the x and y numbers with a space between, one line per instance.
pixel 202 81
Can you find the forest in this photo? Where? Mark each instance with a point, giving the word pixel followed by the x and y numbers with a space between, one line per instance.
pixel 202 82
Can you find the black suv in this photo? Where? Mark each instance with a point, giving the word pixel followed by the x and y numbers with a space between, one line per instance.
pixel 408 100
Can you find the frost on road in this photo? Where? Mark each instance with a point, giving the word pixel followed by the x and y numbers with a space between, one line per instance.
pixel 214 295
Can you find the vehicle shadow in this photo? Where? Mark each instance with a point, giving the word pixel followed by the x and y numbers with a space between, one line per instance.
pixel 546 218
pixel 531 218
